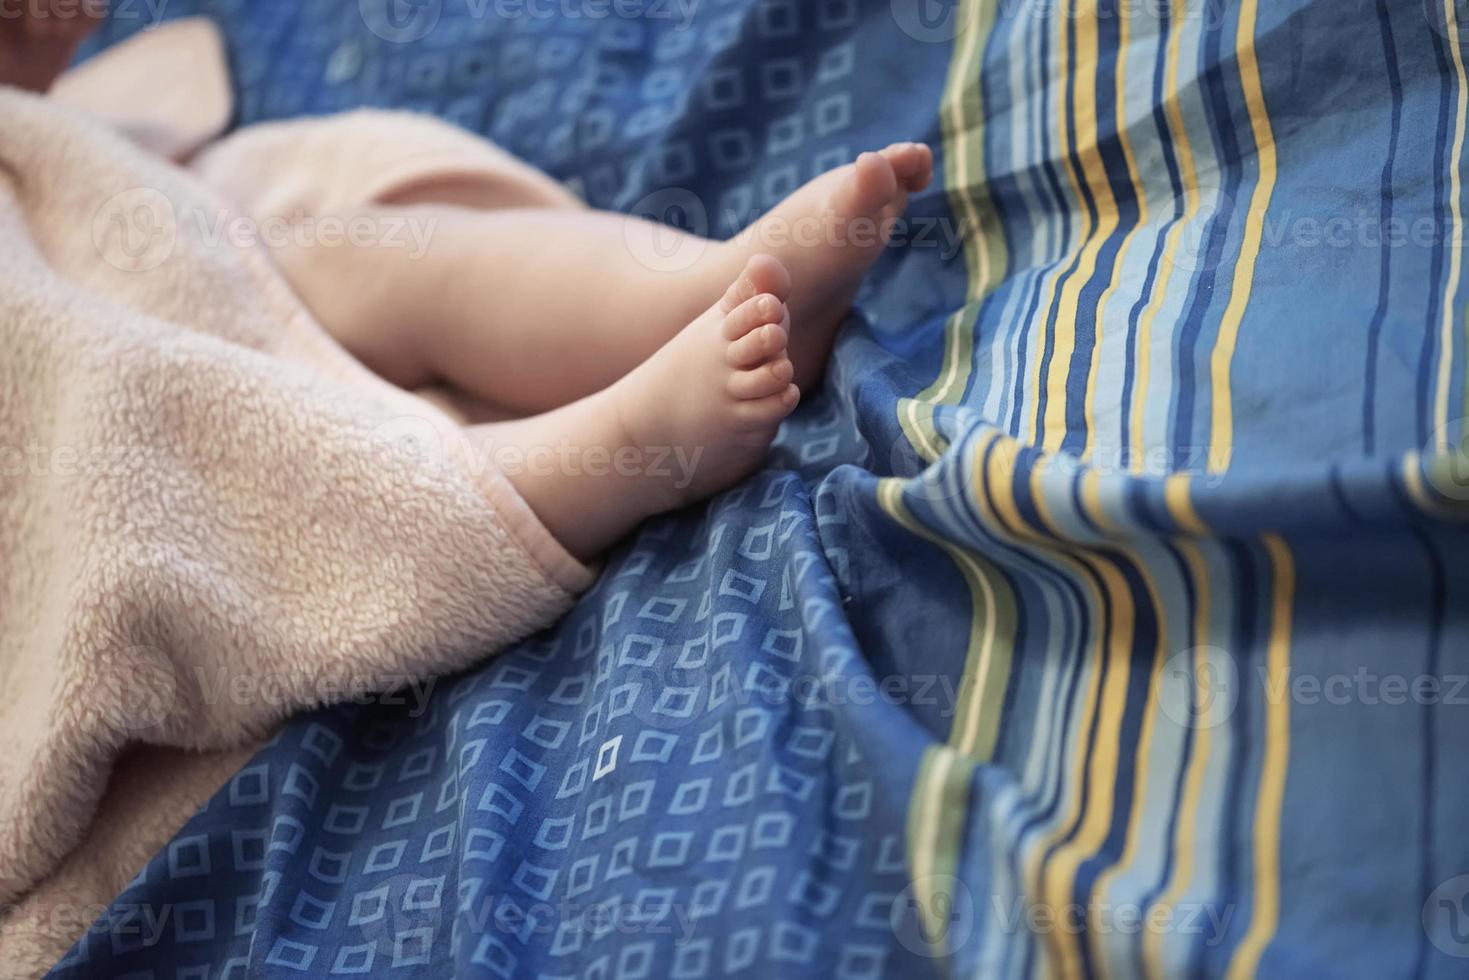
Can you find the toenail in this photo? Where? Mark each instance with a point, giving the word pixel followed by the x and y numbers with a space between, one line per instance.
pixel 767 305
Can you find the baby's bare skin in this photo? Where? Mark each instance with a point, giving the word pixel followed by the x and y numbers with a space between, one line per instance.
pixel 616 344
pixel 567 318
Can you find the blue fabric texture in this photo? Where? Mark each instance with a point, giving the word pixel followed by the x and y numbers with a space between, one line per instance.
pixel 1106 613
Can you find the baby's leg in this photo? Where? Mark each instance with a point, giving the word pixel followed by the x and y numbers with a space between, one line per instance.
pixel 531 310
pixel 691 420
pixel 527 309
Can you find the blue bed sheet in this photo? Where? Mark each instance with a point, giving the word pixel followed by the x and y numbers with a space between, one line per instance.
pixel 1107 612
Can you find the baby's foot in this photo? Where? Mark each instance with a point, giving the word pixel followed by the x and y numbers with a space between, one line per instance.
pixel 716 392
pixel 828 234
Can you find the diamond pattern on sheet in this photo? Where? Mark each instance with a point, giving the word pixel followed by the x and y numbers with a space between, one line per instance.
pixel 557 813
pixel 673 782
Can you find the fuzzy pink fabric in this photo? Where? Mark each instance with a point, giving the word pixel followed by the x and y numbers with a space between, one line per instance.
pixel 198 487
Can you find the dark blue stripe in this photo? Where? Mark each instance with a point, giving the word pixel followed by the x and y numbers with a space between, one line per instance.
pixel 1374 331
pixel 1236 830
pixel 1165 875
pixel 1001 184
pixel 1438 605
pixel 1119 179
pixel 1052 182
pixel 1175 184
pixel 1048 329
pixel 1436 274
pixel 1143 657
pixel 1222 125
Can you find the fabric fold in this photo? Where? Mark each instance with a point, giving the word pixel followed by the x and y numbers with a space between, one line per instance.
pixel 210 516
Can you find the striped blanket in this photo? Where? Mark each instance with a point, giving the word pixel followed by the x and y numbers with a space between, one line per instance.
pixel 1106 615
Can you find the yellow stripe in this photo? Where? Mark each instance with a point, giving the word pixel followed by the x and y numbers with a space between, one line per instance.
pixel 1084 112
pixel 1444 472
pixel 1188 173
pixel 940 797
pixel 937 807
pixel 1059 876
pixel 916 414
pixel 987 658
pixel 964 182
pixel 1181 505
pixel 1456 247
pixel 1221 439
pixel 1038 348
pixel 1051 883
pixel 1143 753
pixel 1124 28
pixel 1265 912
pixel 1188 808
pixel 968 164
pixel 999 475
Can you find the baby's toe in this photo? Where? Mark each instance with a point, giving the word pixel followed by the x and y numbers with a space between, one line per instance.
pixel 753 312
pixel 761 274
pixel 762 413
pixel 868 188
pixel 757 346
pixel 768 379
pixel 912 163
